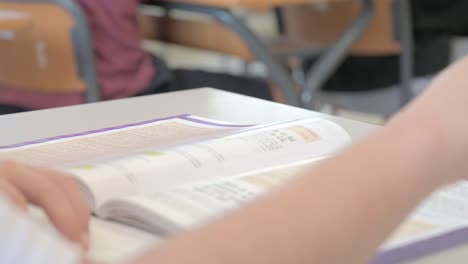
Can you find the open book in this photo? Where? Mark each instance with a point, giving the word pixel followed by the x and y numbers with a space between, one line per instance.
pixel 125 172
pixel 177 173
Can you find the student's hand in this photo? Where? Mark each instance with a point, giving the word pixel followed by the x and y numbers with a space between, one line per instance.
pixel 56 193
pixel 442 110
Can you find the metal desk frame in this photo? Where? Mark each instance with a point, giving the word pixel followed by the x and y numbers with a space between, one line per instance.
pixel 328 61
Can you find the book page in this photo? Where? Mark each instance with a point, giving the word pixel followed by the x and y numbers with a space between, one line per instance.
pixel 444 211
pixel 195 204
pixel 437 226
pixel 61 151
pixel 157 170
pixel 78 150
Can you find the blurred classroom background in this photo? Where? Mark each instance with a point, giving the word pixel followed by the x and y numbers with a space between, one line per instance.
pixel 363 59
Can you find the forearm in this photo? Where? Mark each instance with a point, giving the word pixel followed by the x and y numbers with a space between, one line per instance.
pixel 359 198
pixel 337 213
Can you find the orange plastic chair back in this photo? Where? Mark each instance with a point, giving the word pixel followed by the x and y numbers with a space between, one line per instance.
pixel 36 48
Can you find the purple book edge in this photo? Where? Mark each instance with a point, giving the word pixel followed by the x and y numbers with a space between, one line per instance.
pixel 205 122
pixel 423 248
pixel 186 117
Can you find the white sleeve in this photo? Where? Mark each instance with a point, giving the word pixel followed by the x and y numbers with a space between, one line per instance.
pixel 23 241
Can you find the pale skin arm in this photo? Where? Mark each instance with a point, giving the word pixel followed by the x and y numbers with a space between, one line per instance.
pixel 56 193
pixel 341 211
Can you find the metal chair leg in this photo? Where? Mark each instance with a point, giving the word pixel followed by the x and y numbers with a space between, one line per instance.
pixel 278 11
pixel 404 28
pixel 84 51
pixel 277 71
pixel 332 58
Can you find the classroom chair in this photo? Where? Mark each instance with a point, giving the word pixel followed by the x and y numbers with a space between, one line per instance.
pixel 241 41
pixel 224 13
pixel 45 46
pixel 390 33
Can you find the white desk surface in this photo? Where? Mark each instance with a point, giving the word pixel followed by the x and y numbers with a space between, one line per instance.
pixel 205 102
pixel 112 241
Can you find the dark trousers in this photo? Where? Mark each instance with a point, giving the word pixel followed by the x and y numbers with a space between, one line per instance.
pixel 176 80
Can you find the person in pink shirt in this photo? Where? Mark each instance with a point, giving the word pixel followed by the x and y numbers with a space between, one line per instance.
pixel 124 68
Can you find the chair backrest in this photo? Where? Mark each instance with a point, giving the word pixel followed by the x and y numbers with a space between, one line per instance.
pixel 41 49
pixel 322 25
pixel 194 33
pixel 306 26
